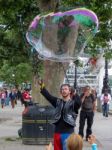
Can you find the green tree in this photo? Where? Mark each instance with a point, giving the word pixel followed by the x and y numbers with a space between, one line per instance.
pixel 14 49
pixel 16 16
pixel 16 74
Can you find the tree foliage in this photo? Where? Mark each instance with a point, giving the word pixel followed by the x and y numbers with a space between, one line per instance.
pixel 16 16
pixel 103 10
pixel 15 74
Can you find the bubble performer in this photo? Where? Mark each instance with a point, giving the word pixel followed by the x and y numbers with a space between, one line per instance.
pixel 66 111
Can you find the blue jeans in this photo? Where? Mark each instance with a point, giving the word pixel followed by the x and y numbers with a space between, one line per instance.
pixel 105 109
pixel 7 101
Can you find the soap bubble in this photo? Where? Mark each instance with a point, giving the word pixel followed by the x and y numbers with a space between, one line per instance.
pixel 62 36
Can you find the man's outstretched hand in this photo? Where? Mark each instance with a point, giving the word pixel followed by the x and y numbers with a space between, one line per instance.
pixel 92 139
pixel 49 147
pixel 41 83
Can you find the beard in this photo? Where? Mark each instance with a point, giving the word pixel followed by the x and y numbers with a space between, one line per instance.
pixel 65 95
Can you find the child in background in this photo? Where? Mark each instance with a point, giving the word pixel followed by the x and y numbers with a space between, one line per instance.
pixel 75 142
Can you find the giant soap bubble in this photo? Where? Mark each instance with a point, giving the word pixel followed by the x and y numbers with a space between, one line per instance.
pixel 62 36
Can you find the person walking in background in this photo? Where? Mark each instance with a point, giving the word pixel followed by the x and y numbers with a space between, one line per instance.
pixel 105 101
pixel 3 98
pixel 7 96
pixel 65 114
pixel 87 112
pixel 19 96
pixel 26 98
pixel 13 97
pixel 74 96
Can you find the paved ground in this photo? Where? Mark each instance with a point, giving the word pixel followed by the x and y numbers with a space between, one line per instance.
pixel 10 122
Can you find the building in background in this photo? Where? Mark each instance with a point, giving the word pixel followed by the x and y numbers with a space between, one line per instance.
pixel 83 78
pixel 94 80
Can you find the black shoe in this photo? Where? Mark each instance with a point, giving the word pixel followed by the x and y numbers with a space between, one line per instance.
pixel 87 138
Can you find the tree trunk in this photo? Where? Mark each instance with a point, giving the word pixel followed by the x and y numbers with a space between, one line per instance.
pixel 54 72
pixel 53 78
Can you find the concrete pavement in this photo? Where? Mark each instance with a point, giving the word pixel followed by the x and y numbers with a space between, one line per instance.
pixel 10 122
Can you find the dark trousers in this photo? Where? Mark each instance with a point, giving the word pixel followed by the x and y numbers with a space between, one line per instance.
pixel 83 116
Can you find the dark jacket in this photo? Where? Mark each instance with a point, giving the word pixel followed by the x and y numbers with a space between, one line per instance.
pixel 88 103
pixel 13 96
pixel 70 109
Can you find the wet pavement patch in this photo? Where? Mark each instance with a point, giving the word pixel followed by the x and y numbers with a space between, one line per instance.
pixel 4 119
pixel 12 139
pixel 86 144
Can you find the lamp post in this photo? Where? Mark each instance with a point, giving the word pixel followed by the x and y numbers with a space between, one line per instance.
pixel 105 80
pixel 75 78
pixel 76 63
pixel 13 78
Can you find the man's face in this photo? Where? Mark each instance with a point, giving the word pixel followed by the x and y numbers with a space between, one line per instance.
pixel 65 91
pixel 105 92
pixel 87 91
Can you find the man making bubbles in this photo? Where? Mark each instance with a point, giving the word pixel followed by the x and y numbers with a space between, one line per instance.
pixel 65 116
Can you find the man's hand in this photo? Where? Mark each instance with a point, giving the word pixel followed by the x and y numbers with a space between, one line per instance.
pixel 86 93
pixel 41 83
pixel 49 147
pixel 92 139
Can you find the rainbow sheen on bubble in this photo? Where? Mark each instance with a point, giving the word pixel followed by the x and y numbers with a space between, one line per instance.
pixel 62 36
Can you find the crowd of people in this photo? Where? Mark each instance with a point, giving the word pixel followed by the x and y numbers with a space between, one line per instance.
pixel 11 96
pixel 67 107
